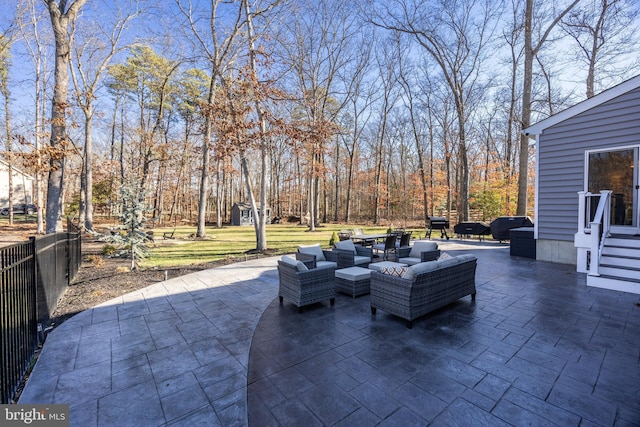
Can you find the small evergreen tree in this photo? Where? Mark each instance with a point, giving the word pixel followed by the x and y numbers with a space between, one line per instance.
pixel 334 239
pixel 132 238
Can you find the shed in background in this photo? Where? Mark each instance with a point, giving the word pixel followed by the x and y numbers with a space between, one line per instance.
pixel 241 214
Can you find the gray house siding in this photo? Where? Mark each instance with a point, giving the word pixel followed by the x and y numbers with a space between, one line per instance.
pixel 561 157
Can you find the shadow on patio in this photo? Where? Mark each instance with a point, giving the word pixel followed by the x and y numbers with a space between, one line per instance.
pixel 216 348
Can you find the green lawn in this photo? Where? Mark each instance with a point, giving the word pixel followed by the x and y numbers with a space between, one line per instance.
pixel 235 242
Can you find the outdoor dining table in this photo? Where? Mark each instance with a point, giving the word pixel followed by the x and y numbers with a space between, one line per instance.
pixel 368 239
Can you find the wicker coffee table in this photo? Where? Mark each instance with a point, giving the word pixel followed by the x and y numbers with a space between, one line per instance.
pixel 353 281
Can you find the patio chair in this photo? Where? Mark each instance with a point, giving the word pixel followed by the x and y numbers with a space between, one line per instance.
pixel 344 235
pixel 352 255
pixel 388 247
pixel 319 258
pixel 405 240
pixel 304 286
pixel 421 251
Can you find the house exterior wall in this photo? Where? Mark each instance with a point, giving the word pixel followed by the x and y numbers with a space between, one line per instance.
pixel 560 156
pixel 22 186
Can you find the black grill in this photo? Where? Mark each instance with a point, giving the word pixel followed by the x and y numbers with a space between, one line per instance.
pixel 438 223
pixel 472 228
pixel 500 226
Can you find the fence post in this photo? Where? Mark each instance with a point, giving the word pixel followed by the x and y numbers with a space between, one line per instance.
pixel 34 274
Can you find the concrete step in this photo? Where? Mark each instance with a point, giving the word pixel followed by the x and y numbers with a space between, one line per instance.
pixel 620 260
pixel 623 242
pixel 621 272
pixel 621 251
pixel 614 283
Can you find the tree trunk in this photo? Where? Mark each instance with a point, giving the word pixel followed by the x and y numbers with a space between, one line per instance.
pixel 206 161
pixel 261 216
pixel 88 164
pixel 4 85
pixel 530 51
pixel 58 141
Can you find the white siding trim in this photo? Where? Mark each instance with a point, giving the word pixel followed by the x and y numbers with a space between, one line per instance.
pixel 536 190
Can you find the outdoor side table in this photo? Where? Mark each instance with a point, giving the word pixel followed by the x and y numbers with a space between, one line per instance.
pixel 522 242
pixel 353 281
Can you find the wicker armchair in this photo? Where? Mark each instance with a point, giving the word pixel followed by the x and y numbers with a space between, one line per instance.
pixel 320 258
pixel 421 251
pixel 350 255
pixel 424 287
pixel 303 286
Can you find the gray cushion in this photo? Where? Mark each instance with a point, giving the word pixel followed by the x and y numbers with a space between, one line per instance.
pixel 346 245
pixel 409 261
pixel 353 273
pixel 448 262
pixel 358 259
pixel 420 268
pixel 466 257
pixel 422 246
pixel 326 264
pixel 294 263
pixel 313 250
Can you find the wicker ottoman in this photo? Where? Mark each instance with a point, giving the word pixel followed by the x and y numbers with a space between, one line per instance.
pixel 353 281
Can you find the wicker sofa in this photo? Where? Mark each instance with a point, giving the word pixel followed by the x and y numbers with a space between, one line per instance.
pixel 423 287
pixel 303 285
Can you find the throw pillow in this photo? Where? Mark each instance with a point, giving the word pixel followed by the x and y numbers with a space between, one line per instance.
pixel 409 274
pixel 394 271
pixel 346 245
pixel 444 255
pixel 422 246
pixel 313 250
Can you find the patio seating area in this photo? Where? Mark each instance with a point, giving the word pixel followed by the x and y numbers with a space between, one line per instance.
pixel 537 347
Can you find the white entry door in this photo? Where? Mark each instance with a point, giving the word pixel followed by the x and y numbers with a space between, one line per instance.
pixel 617 170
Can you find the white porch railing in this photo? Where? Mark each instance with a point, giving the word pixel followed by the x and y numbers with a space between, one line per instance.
pixel 592 229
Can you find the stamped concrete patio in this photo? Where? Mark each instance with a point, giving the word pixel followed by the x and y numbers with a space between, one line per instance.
pixel 215 348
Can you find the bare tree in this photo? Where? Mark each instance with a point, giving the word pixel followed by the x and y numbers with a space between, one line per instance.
pixel 455 35
pixel 260 214
pixel 411 100
pixel 604 33
pixel 531 49
pixel 388 76
pixel 6 40
pixel 34 43
pixel 62 14
pixel 360 95
pixel 321 44
pixel 217 43
pixel 93 50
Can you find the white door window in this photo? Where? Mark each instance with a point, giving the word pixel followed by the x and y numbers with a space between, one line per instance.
pixel 616 170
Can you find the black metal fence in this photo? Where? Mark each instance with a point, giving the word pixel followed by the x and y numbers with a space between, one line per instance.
pixel 33 277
